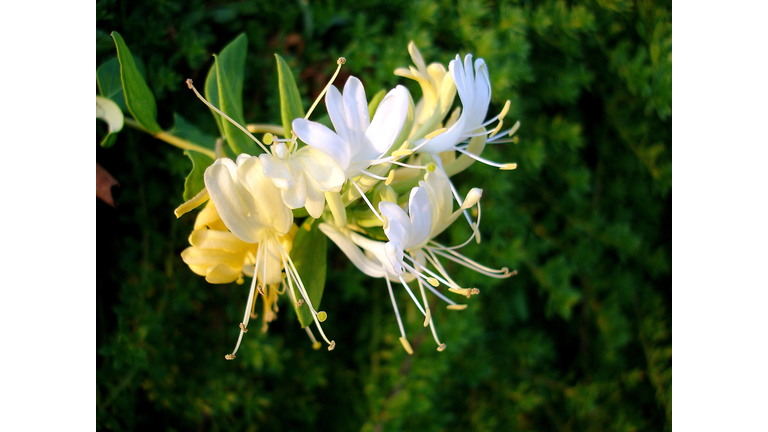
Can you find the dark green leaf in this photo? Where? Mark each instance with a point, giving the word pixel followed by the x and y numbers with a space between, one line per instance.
pixel 110 84
pixel 290 100
pixel 193 184
pixel 224 90
pixel 309 256
pixel 138 96
pixel 186 130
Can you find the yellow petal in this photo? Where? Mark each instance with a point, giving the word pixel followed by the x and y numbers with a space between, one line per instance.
pixel 222 273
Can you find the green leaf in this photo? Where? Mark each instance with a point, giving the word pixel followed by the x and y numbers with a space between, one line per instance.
pixel 193 184
pixel 107 110
pixel 110 84
pixel 224 90
pixel 138 96
pixel 309 256
pixel 188 131
pixel 290 100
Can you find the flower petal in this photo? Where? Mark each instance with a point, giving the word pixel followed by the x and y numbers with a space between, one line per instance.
pixel 222 273
pixel 421 217
pixel 325 140
pixel 296 196
pixel 235 205
pixel 278 170
pixel 326 173
pixel 356 109
pixel 350 249
pixel 219 240
pixel 387 123
pixel 269 209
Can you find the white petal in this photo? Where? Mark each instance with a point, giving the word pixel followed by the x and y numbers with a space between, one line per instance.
pixel 234 204
pixel 350 249
pixel 356 108
pixel 270 211
pixel 296 196
pixel 323 139
pixel 277 170
pixel 315 202
pixel 398 225
pixel 421 218
pixel 387 122
pixel 326 173
pixel 334 103
pixel 394 252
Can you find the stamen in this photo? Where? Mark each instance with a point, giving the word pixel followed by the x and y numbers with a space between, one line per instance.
pixel 481 159
pixel 441 348
pixel 242 327
pixel 339 62
pixel 427 318
pixel 402 153
pixel 199 96
pixel 456 307
pixel 332 346
pixel 365 198
pixel 433 134
pixel 407 288
pixel 390 177
pixel 299 303
pixel 315 344
pixel 496 129
pixel 229 356
pixel 406 345
pixel 432 281
pixel 394 304
pixel 508 166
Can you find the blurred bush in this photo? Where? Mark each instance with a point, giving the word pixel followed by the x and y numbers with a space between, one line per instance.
pixel 580 340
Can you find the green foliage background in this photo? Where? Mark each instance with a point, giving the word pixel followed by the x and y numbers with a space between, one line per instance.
pixel 580 340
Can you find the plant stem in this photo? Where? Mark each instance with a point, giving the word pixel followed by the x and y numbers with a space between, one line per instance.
pixel 172 140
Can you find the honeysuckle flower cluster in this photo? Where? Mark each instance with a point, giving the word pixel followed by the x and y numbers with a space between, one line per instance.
pixel 348 177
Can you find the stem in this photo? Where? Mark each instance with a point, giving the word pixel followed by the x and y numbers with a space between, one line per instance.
pixel 172 140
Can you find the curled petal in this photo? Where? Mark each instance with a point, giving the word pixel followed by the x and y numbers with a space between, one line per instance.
pixel 323 139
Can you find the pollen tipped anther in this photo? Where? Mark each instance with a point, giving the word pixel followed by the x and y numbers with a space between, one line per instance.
pixel 432 281
pixel 332 346
pixel 341 61
pixel 402 153
pixel 261 289
pixel 299 303
pixel 508 166
pixel 243 328
pixel 406 345
pixel 427 318
pixel 390 178
pixel 435 133
pixel 441 348
pixel 229 356
pixel 456 307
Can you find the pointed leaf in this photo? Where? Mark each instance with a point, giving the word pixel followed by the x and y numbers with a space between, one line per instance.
pixel 238 140
pixel 110 84
pixel 138 96
pixel 194 182
pixel 309 256
pixel 290 100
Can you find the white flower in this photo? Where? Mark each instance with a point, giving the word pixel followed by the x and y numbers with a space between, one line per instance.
pixel 252 208
pixel 411 247
pixel 358 142
pixel 303 176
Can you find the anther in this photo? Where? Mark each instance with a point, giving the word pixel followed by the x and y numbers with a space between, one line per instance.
pixel 402 153
pixel 508 166
pixel 299 303
pixel 435 133
pixel 505 110
pixel 432 281
pixel 228 356
pixel 261 290
pixel 496 129
pixel 322 316
pixel 514 129
pixel 406 345
pixel 341 61
pixel 456 307
pixel 390 178
pixel 189 83
pixel 332 346
pixel 441 348
pixel 268 138
pixel 242 327
pixel 427 318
